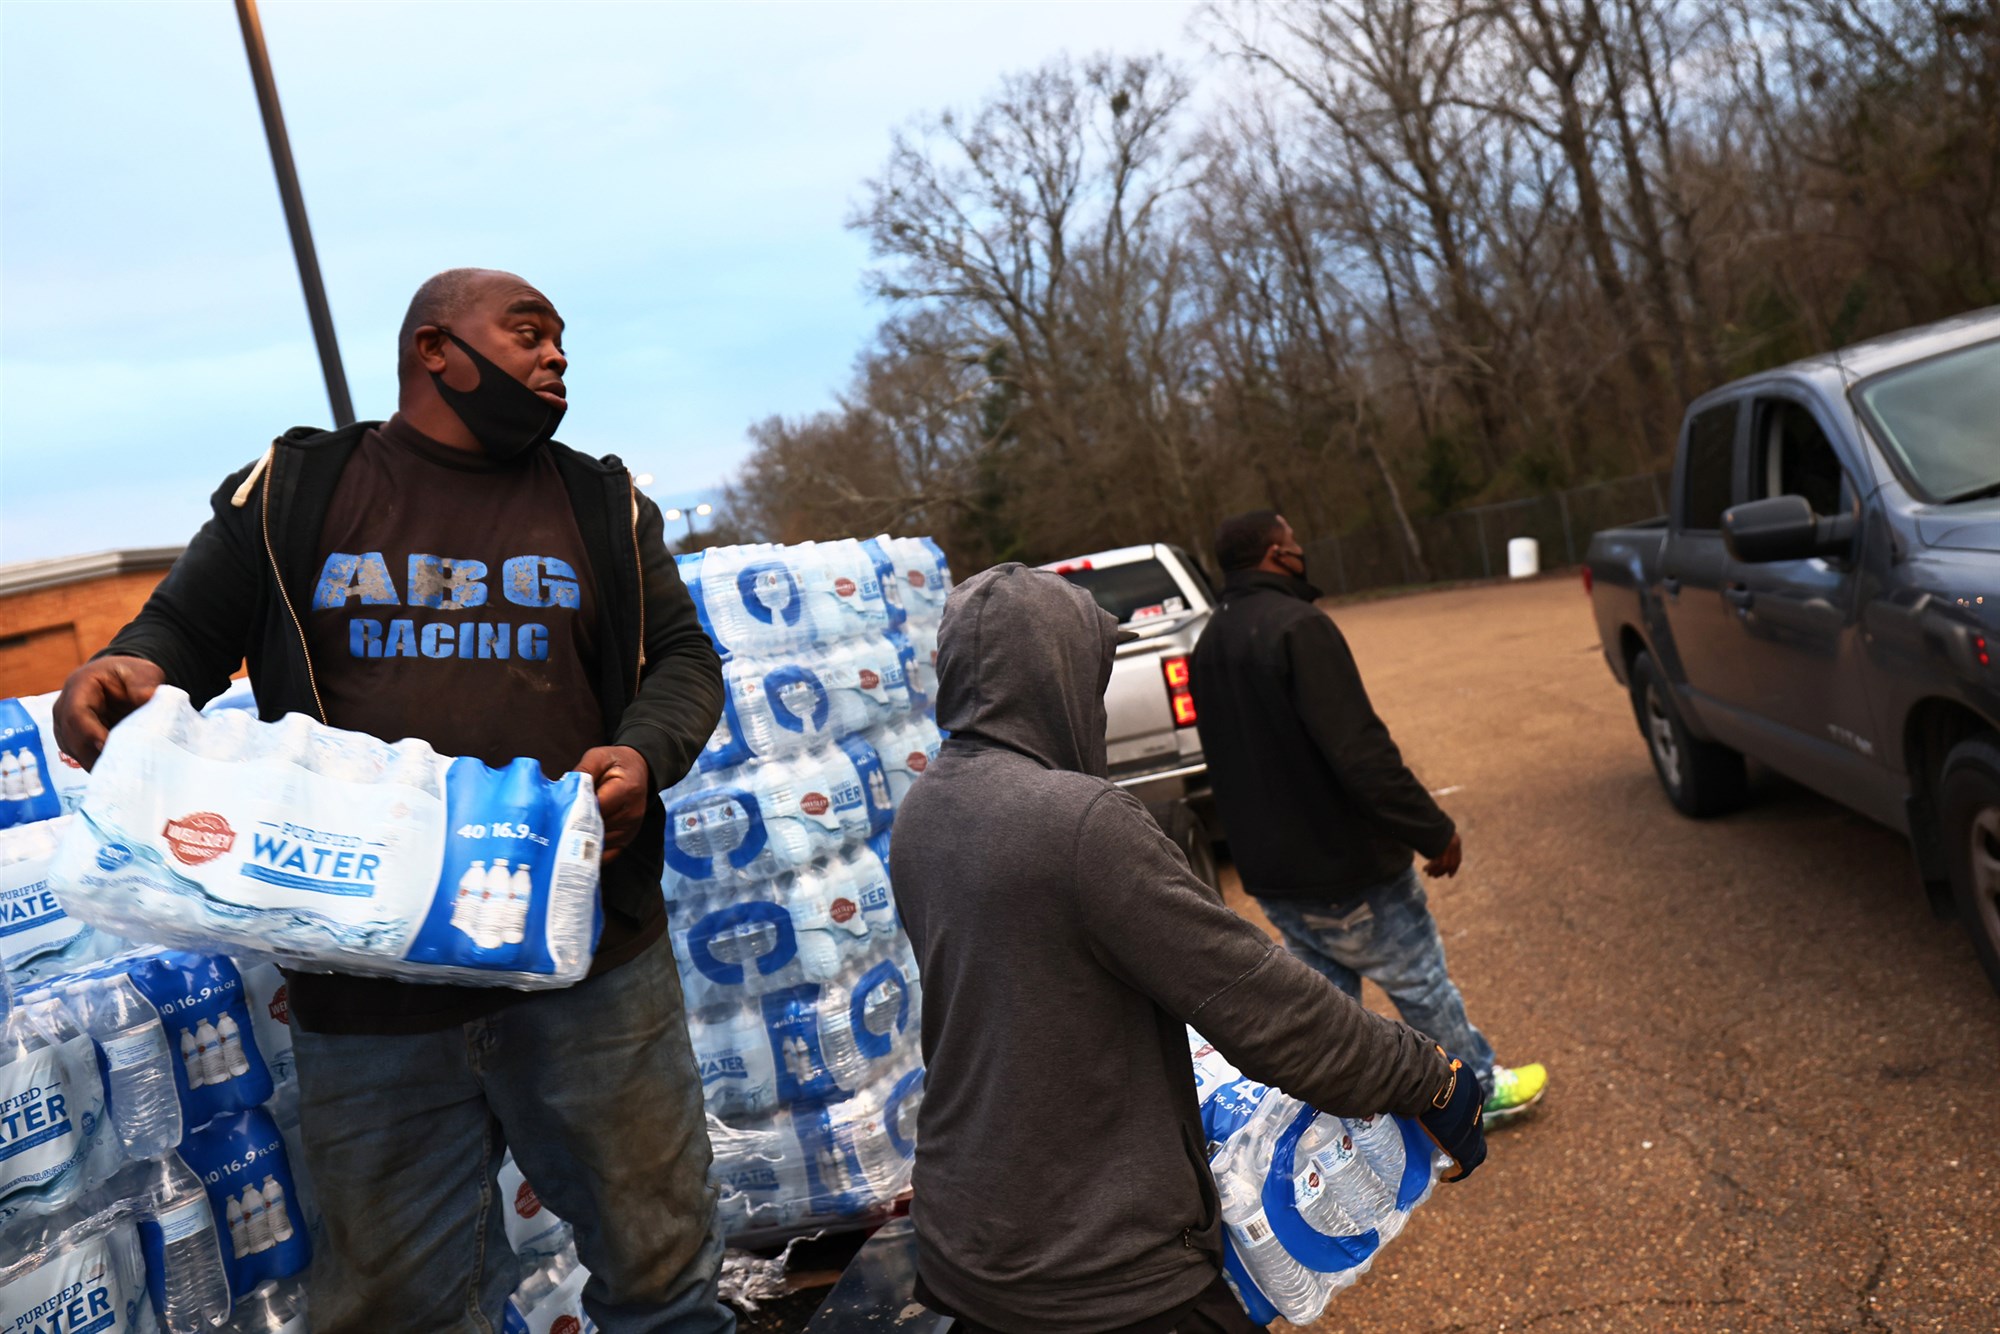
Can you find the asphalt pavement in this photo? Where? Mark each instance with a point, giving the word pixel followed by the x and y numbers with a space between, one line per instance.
pixel 1775 1077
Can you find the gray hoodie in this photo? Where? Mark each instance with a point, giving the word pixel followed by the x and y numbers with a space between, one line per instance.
pixel 1061 1182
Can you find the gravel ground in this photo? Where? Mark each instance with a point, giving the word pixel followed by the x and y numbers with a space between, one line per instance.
pixel 1775 1094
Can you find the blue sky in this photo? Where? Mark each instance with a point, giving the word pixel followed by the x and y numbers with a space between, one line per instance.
pixel 674 176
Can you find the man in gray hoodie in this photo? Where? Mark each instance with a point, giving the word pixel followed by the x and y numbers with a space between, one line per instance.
pixel 1061 1181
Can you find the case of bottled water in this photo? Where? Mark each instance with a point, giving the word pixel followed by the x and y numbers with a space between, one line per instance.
pixel 1307 1198
pixel 332 850
pixel 149 1258
pixel 801 990
pixel 37 781
pixel 88 1275
pixel 37 938
pixel 550 1298
pixel 241 1160
pixel 533 1230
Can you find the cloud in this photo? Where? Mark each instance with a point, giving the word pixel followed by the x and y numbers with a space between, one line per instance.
pixel 677 177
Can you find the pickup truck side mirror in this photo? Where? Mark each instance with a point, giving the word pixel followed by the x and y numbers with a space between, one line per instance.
pixel 1784 528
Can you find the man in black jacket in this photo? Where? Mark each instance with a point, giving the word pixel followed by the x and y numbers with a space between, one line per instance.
pixel 1321 811
pixel 455 574
pixel 1061 1181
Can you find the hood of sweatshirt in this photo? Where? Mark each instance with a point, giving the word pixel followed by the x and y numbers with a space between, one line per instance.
pixel 1023 659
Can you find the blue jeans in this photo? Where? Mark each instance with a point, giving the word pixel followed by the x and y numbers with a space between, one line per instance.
pixel 593 1087
pixel 1387 935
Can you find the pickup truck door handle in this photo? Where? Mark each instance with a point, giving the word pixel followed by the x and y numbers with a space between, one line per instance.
pixel 1672 585
pixel 1739 595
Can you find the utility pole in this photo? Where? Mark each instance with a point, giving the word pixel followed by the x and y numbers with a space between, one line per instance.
pixel 295 213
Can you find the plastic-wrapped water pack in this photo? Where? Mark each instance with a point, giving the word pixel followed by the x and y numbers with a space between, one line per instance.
pixel 37 938
pixel 37 781
pixel 332 850
pixel 1307 1198
pixel 138 1252
pixel 801 990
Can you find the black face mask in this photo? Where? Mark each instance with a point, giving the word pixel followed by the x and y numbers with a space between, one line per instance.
pixel 504 415
pixel 1300 557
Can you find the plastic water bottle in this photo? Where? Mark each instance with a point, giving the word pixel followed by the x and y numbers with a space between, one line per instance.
pixel 493 914
pixel 10 776
pixel 806 895
pixel 192 1284
pixel 1380 1140
pixel 465 907
pixel 277 1307
pixel 214 1065
pixel 754 597
pixel 256 1221
pixel 279 1217
pixel 139 1078
pixel 1352 1199
pixel 233 1213
pixel 1292 1288
pixel 233 1058
pixel 520 893
pixel 732 1050
pixel 838 1047
pixel 31 775
pixel 191 1060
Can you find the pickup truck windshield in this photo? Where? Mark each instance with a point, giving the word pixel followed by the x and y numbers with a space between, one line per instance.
pixel 1941 419
pixel 1138 591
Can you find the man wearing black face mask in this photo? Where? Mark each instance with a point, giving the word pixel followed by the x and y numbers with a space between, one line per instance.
pixel 455 574
pixel 1322 813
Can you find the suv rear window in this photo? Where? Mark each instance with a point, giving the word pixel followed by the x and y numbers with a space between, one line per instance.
pixel 1138 591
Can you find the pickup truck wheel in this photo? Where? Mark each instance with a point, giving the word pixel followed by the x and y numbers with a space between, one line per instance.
pixel 1701 778
pixel 1969 811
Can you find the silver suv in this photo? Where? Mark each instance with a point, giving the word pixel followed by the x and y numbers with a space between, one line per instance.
pixel 1162 597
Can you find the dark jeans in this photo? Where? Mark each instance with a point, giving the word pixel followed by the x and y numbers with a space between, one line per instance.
pixel 1387 935
pixel 595 1090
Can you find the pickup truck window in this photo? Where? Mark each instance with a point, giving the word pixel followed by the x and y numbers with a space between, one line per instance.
pixel 1941 420
pixel 1139 590
pixel 1794 458
pixel 1709 464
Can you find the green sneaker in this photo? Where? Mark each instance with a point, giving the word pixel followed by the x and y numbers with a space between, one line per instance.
pixel 1515 1090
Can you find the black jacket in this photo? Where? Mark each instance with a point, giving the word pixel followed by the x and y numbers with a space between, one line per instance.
pixel 1315 796
pixel 237 590
pixel 1062 1184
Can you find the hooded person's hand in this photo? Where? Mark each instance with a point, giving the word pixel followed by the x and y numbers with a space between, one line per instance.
pixel 1453 1120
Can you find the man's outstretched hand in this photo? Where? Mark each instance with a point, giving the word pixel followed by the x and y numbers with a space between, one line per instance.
pixel 95 697
pixel 623 784
pixel 1446 863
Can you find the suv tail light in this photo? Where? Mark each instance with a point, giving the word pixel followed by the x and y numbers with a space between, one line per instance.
pixel 1178 694
pixel 1588 581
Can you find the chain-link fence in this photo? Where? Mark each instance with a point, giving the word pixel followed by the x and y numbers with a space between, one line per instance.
pixel 1472 543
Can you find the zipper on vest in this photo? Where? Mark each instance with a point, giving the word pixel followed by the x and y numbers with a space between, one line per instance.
pixel 639 568
pixel 270 552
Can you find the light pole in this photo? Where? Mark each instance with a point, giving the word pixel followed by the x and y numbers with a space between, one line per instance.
pixel 704 510
pixel 294 200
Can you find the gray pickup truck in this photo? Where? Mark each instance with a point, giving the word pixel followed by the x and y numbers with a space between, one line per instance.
pixel 1824 598
pixel 1164 600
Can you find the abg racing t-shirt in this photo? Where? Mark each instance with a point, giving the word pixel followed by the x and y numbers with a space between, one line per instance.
pixel 454 603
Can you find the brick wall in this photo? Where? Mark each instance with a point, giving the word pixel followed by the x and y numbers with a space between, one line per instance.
pixel 47 631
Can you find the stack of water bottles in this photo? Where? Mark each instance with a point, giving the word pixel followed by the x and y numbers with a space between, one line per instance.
pixel 39 788
pixel 148 1115
pixel 549 1299
pixel 801 988
pixel 103 1225
pixel 195 1058
pixel 1307 1198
